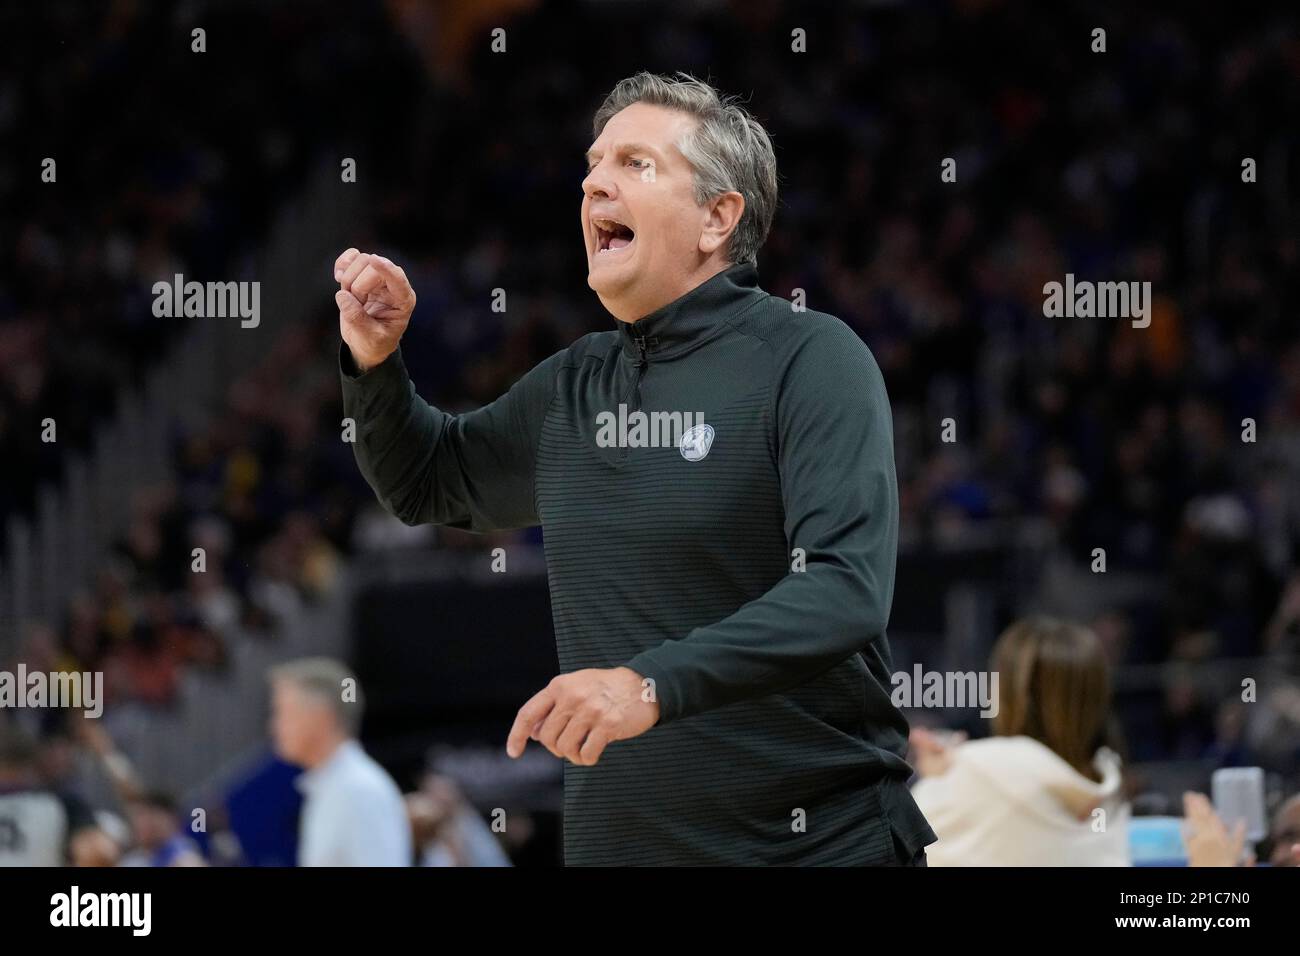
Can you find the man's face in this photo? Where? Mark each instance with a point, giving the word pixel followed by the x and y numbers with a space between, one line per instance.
pixel 1286 834
pixel 639 217
pixel 295 721
pixel 150 825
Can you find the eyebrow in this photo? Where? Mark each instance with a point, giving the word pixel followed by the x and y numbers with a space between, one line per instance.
pixel 626 148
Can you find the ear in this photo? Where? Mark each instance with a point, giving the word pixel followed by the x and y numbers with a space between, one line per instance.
pixel 723 217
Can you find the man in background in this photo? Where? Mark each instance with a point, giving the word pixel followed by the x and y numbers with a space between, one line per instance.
pixel 353 814
pixel 448 830
pixel 40 826
pixel 157 834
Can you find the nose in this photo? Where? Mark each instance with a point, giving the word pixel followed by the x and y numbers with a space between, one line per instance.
pixel 598 184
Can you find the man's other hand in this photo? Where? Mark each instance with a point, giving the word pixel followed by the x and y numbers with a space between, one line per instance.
pixel 375 302
pixel 577 715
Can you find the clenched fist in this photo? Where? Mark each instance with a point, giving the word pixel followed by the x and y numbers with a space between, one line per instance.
pixel 375 303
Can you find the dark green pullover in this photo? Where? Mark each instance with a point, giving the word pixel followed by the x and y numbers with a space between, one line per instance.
pixel 752 585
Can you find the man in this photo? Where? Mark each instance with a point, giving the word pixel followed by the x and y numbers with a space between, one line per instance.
pixel 1284 834
pixel 353 814
pixel 448 830
pixel 1210 843
pixel 158 836
pixel 40 826
pixel 720 599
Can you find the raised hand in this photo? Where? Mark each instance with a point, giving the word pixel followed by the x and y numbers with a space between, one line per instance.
pixel 375 302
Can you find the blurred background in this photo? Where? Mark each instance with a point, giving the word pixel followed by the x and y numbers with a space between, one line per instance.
pixel 224 165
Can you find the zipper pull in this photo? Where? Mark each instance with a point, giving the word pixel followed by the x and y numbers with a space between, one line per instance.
pixel 641 342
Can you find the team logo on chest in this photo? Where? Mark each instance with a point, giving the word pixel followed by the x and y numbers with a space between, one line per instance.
pixel 696 442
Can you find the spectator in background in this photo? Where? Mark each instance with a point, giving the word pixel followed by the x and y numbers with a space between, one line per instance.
pixel 40 826
pixel 448 830
pixel 158 837
pixel 1028 795
pixel 1284 834
pixel 1210 842
pixel 353 814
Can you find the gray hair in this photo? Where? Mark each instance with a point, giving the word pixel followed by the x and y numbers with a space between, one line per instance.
pixel 321 678
pixel 728 149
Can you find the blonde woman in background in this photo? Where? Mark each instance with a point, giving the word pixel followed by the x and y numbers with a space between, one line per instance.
pixel 1045 789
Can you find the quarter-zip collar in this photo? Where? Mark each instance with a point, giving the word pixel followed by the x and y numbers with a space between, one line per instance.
pixel 691 319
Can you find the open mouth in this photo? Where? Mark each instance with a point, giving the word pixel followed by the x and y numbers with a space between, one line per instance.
pixel 612 235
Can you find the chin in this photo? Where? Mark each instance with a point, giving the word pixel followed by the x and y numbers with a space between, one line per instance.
pixel 602 281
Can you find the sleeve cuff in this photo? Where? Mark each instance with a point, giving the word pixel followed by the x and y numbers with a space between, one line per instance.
pixel 666 693
pixel 389 370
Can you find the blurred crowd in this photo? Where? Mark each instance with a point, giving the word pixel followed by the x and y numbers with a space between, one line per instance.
pixel 187 179
pixel 1084 433
pixel 166 160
